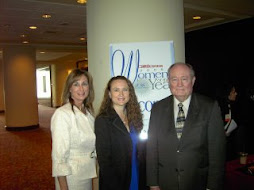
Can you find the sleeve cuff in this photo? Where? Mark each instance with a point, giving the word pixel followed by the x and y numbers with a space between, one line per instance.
pixel 61 169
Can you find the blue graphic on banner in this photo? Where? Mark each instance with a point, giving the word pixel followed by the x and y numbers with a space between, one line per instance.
pixel 123 67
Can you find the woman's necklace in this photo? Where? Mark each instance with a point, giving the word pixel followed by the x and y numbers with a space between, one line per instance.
pixel 124 120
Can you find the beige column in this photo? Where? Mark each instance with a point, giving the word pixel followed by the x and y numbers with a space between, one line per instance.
pixel 121 21
pixel 21 107
pixel 1 87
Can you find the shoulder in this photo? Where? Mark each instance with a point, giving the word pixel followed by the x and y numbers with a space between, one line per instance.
pixel 64 110
pixel 202 98
pixel 62 117
pixel 105 118
pixel 204 102
pixel 102 124
pixel 100 118
pixel 163 102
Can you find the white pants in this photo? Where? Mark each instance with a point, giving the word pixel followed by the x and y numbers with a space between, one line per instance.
pixel 75 183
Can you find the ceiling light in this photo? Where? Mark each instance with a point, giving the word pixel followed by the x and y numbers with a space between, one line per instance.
pixel 33 27
pixel 42 52
pixel 196 17
pixel 22 35
pixel 81 1
pixel 46 16
pixel 25 42
pixel 69 71
pixel 82 39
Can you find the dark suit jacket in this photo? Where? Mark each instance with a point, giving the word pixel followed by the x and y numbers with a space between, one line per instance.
pixel 114 151
pixel 196 161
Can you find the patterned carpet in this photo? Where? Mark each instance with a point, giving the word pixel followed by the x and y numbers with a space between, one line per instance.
pixel 25 156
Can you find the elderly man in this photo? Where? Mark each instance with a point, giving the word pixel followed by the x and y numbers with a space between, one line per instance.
pixel 186 139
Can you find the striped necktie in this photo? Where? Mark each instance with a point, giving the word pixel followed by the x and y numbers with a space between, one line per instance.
pixel 180 121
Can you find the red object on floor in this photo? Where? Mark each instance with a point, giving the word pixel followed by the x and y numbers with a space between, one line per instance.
pixel 236 179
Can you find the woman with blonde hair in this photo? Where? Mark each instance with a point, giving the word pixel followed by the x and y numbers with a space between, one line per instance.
pixel 120 152
pixel 73 138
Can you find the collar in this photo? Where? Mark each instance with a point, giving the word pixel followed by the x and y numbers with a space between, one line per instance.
pixel 185 103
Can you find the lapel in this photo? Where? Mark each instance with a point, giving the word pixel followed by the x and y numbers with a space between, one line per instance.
pixel 170 114
pixel 87 119
pixel 169 120
pixel 172 122
pixel 118 124
pixel 191 117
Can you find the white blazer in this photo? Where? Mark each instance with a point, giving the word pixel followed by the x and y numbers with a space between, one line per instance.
pixel 73 143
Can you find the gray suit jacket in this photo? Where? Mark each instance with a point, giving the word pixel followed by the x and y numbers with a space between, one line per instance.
pixel 196 161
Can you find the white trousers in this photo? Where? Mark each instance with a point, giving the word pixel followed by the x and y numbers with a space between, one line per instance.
pixel 75 183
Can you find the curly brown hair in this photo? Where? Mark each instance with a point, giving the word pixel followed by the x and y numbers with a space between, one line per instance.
pixel 133 110
pixel 73 77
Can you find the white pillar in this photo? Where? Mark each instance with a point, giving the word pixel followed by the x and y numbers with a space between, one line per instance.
pixel 121 21
pixel 21 106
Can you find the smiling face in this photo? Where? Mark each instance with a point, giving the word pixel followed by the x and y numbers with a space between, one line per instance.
pixel 79 90
pixel 119 93
pixel 181 81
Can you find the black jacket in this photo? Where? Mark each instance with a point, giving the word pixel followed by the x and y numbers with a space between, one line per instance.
pixel 114 151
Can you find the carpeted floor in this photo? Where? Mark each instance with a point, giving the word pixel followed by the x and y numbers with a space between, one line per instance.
pixel 25 156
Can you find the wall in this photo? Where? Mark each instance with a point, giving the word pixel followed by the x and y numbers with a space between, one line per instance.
pixel 59 73
pixel 222 54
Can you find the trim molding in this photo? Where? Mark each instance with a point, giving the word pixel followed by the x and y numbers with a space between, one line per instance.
pixel 9 128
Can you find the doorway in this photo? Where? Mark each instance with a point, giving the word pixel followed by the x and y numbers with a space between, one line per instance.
pixel 43 82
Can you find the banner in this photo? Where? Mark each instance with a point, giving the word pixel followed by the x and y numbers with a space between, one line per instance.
pixel 145 64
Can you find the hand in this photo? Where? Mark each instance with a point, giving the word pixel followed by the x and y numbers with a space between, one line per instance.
pixel 154 188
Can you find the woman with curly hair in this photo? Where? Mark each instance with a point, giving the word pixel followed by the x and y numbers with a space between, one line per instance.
pixel 119 149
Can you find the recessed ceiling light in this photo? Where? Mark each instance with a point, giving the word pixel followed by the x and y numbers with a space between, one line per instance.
pixel 46 16
pixel 82 39
pixel 25 42
pixel 22 35
pixel 42 52
pixel 196 17
pixel 33 27
pixel 81 1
